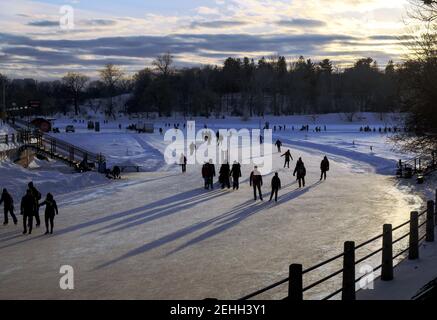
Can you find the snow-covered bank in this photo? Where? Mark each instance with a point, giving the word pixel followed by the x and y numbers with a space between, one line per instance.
pixel 47 176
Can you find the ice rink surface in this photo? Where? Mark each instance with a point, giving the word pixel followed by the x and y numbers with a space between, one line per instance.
pixel 159 235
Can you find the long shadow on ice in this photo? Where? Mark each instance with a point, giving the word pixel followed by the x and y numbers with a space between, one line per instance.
pixel 173 204
pixel 157 213
pixel 221 223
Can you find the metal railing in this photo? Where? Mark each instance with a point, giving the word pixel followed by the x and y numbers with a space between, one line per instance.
pixel 349 280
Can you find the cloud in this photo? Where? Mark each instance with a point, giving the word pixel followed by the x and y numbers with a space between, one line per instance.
pixel 43 23
pixel 311 23
pixel 99 22
pixel 217 24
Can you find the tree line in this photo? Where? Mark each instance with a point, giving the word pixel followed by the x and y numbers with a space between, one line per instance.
pixel 271 85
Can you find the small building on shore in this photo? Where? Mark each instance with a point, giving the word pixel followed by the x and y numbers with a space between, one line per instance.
pixel 42 124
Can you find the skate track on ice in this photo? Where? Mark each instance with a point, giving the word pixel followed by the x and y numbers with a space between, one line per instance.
pixel 160 235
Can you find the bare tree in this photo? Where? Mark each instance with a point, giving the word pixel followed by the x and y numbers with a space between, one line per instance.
pixel 419 83
pixel 75 82
pixel 163 64
pixel 423 10
pixel 111 75
pixel 94 105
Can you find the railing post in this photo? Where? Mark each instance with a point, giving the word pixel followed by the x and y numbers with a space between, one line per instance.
pixel 430 221
pixel 348 292
pixel 414 236
pixel 295 287
pixel 435 207
pixel 387 253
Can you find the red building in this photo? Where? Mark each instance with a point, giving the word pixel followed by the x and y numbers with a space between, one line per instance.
pixel 42 124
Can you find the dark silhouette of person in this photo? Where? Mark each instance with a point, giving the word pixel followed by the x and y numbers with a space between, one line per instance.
pixel 183 162
pixel 324 167
pixel 28 209
pixel 276 185
pixel 51 210
pixel 211 174
pixel 288 157
pixel 224 175
pixel 8 206
pixel 256 181
pixel 208 174
pixel 116 171
pixel 236 175
pixel 205 175
pixel 278 144
pixel 300 172
pixel 36 197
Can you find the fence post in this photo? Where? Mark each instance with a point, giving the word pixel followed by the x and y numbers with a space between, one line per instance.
pixel 387 253
pixel 295 288
pixel 348 292
pixel 430 221
pixel 435 207
pixel 414 236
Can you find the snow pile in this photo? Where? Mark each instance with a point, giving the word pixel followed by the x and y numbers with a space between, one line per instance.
pixel 47 177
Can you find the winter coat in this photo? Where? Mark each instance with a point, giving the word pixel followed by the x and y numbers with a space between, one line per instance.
pixel 236 171
pixel 183 160
pixel 36 195
pixel 7 201
pixel 287 156
pixel 208 170
pixel 324 165
pixel 278 143
pixel 300 170
pixel 28 205
pixel 256 178
pixel 276 183
pixel 51 207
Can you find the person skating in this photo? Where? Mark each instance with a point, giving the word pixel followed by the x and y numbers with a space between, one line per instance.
pixel 278 144
pixel 256 181
pixel 276 185
pixel 211 173
pixel 8 206
pixel 236 175
pixel 183 162
pixel 51 210
pixel 324 167
pixel 36 197
pixel 300 172
pixel 224 175
pixel 208 173
pixel 28 209
pixel 288 157
pixel 205 177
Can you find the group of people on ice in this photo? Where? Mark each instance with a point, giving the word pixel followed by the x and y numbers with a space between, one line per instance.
pixel 228 173
pixel 29 209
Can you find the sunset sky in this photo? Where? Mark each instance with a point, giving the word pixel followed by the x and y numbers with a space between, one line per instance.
pixel 131 33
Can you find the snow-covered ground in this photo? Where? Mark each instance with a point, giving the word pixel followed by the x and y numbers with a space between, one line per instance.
pixel 158 234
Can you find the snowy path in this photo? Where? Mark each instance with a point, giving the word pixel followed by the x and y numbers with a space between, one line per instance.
pixel 159 235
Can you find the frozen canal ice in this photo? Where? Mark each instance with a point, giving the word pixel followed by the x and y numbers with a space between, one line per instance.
pixel 160 235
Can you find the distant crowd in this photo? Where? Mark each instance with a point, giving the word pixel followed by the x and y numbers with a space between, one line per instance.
pixel 230 175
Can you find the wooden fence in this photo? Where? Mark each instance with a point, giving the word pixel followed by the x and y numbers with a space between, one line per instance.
pixel 348 272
